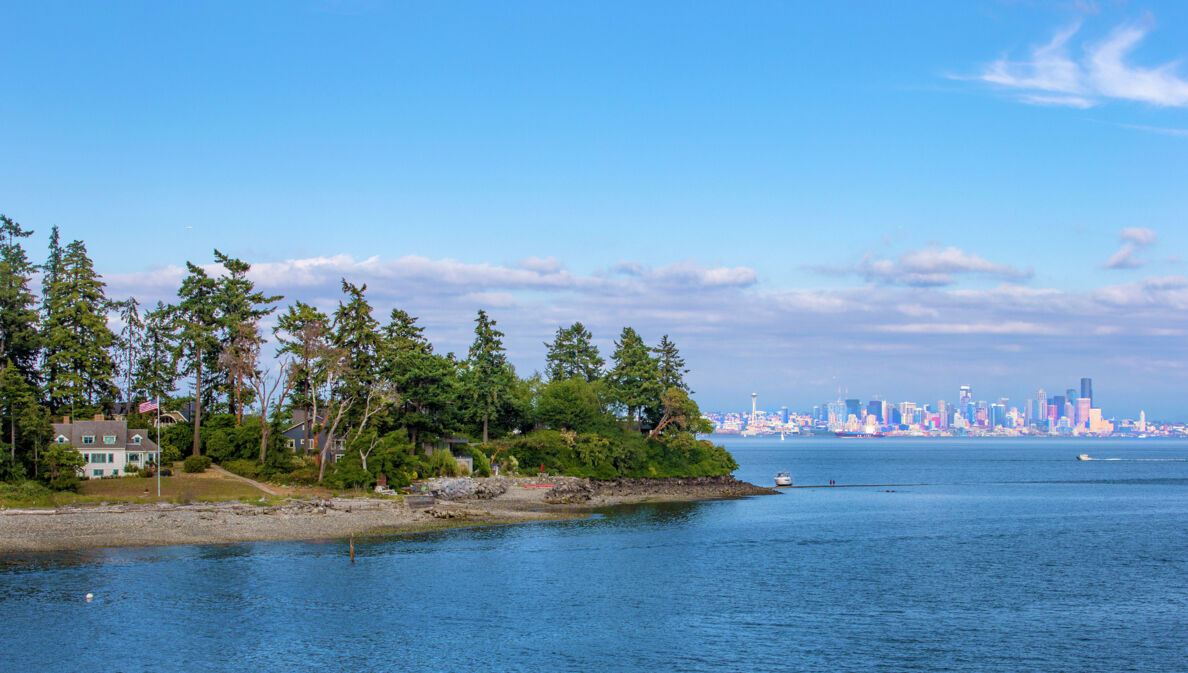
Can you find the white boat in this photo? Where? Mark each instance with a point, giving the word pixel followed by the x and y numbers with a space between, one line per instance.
pixel 783 479
pixel 1084 456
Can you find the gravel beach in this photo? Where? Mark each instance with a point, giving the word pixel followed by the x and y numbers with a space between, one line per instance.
pixel 457 502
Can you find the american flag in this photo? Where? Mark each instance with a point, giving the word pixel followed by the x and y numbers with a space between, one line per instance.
pixel 151 405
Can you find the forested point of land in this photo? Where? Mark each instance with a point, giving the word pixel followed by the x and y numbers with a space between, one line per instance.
pixel 379 394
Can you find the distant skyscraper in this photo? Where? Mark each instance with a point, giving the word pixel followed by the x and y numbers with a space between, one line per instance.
pixel 1071 396
pixel 1058 402
pixel 837 415
pixel 964 396
pixel 997 415
pixel 875 408
pixel 1087 390
pixel 1142 421
pixel 854 407
pixel 784 414
pixel 1084 404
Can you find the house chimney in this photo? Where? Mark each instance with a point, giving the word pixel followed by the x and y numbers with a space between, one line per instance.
pixel 98 417
pixel 66 420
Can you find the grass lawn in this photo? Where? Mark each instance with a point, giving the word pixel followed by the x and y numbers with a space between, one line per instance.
pixel 205 487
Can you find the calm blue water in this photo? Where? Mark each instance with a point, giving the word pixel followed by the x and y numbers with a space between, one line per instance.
pixel 1008 556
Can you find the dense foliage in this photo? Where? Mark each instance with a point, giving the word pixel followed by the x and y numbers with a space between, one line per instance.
pixel 347 401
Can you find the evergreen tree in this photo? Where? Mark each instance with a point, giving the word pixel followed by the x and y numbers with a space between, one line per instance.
pixel 19 339
pixel 425 381
pixel 52 269
pixel 634 377
pixel 16 396
pixel 78 342
pixel 427 384
pixel 356 333
pixel 36 432
pixel 571 354
pixel 194 325
pixel 671 364
pixel 358 394
pixel 240 308
pixel 154 373
pixel 129 343
pixel 489 377
pixel 402 334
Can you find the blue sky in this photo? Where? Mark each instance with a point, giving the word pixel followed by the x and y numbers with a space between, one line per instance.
pixel 896 198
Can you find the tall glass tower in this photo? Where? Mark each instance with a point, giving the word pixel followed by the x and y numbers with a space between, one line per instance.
pixel 1087 390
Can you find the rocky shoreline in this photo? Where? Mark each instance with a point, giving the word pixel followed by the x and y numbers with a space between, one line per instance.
pixel 454 502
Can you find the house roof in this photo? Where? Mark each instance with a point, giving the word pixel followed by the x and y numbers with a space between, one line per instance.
pixel 74 432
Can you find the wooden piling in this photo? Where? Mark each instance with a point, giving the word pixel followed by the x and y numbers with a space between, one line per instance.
pixel 352 549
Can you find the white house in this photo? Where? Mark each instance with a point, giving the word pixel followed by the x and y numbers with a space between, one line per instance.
pixel 108 446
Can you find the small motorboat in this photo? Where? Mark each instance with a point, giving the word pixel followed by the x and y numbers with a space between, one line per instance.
pixel 783 479
pixel 1084 456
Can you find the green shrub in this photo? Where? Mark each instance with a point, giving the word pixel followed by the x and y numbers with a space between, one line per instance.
pixel 64 482
pixel 443 464
pixel 243 467
pixel 10 470
pixel 195 464
pixel 225 441
pixel 348 473
pixel 303 475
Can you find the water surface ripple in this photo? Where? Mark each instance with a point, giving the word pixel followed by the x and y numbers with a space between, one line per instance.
pixel 1006 556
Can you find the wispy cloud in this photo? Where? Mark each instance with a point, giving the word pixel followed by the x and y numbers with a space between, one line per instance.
pixel 1133 240
pixel 1162 130
pixel 934 267
pixel 1052 76
pixel 1014 327
pixel 1138 235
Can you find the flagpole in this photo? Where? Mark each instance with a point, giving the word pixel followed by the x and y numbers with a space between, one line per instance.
pixel 158 446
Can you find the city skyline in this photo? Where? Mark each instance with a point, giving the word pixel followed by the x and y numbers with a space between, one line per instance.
pixel 965 395
pixel 801 196
pixel 1074 413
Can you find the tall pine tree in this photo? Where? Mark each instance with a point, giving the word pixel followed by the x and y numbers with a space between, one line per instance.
pixel 356 333
pixel 19 339
pixel 196 339
pixel 425 381
pixel 634 377
pixel 489 377
pixel 571 354
pixel 51 271
pixel 671 364
pixel 78 342
pixel 240 308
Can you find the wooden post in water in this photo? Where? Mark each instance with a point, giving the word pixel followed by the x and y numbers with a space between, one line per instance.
pixel 352 549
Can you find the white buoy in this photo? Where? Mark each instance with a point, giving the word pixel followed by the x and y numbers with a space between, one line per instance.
pixel 90 596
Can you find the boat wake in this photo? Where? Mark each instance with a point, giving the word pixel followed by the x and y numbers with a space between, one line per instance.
pixel 1142 460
